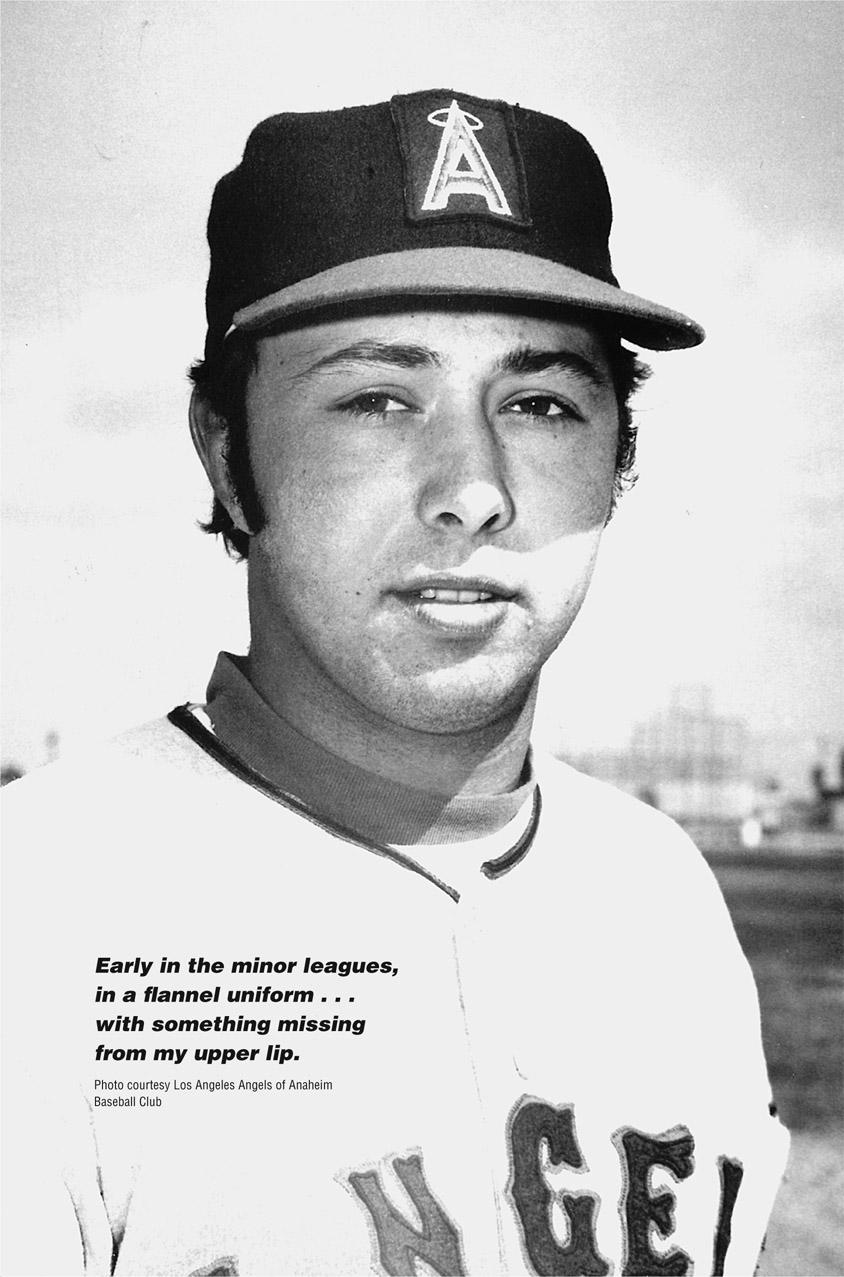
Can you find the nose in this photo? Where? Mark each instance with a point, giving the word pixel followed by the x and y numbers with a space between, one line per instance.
pixel 465 484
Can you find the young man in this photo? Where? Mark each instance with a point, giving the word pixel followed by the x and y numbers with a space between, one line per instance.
pixel 530 1042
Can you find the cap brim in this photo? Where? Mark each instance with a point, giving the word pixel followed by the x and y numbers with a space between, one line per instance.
pixel 477 272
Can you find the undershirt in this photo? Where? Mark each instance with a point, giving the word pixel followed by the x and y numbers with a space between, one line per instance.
pixel 371 807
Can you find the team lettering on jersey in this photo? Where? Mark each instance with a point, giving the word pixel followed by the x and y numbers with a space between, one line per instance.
pixel 541 1134
pixel 461 167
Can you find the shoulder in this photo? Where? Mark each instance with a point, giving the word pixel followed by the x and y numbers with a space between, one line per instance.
pixel 637 855
pixel 634 885
pixel 91 772
pixel 101 806
pixel 603 812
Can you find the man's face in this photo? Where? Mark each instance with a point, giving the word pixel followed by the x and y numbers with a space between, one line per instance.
pixel 435 485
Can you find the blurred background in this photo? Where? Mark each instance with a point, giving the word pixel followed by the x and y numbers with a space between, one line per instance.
pixel 704 673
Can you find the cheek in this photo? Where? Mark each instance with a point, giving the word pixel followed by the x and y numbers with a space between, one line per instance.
pixel 300 539
pixel 327 499
pixel 294 487
pixel 564 564
pixel 316 548
pixel 570 508
pixel 298 463
pixel 568 495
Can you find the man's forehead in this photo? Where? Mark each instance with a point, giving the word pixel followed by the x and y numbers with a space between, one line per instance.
pixel 432 338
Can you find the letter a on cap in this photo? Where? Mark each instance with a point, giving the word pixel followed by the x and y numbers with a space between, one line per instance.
pixel 460 157
pixel 461 167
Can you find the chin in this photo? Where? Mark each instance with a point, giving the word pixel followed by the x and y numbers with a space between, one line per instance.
pixel 449 704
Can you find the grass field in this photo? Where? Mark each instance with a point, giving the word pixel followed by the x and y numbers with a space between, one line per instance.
pixel 788 911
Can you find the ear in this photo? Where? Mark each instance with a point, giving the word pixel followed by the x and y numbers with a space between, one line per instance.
pixel 210 438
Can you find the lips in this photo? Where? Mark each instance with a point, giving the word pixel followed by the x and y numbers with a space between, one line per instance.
pixel 462 607
pixel 457 590
pixel 456 596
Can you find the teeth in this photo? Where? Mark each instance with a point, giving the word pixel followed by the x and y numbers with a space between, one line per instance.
pixel 455 596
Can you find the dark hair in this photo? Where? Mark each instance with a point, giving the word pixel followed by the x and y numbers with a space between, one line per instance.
pixel 221 380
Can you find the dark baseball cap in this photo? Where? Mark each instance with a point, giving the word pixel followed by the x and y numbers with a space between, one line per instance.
pixel 433 194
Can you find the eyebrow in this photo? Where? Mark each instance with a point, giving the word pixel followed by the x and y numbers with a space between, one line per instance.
pixel 526 359
pixel 374 352
pixel 521 360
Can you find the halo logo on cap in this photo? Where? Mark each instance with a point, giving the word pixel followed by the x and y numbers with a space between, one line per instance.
pixel 461 167
pixel 461 158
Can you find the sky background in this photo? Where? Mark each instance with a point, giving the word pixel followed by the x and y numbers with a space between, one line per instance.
pixel 720 129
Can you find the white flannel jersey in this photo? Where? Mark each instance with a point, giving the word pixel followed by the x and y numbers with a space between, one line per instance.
pixel 564 1075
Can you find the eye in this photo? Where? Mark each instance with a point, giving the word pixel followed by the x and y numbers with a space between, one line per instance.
pixel 374 403
pixel 544 406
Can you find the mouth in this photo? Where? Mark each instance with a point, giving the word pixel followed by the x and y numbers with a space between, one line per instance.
pixel 468 607
pixel 438 595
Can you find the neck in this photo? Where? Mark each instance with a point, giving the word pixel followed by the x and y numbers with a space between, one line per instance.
pixel 487 759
